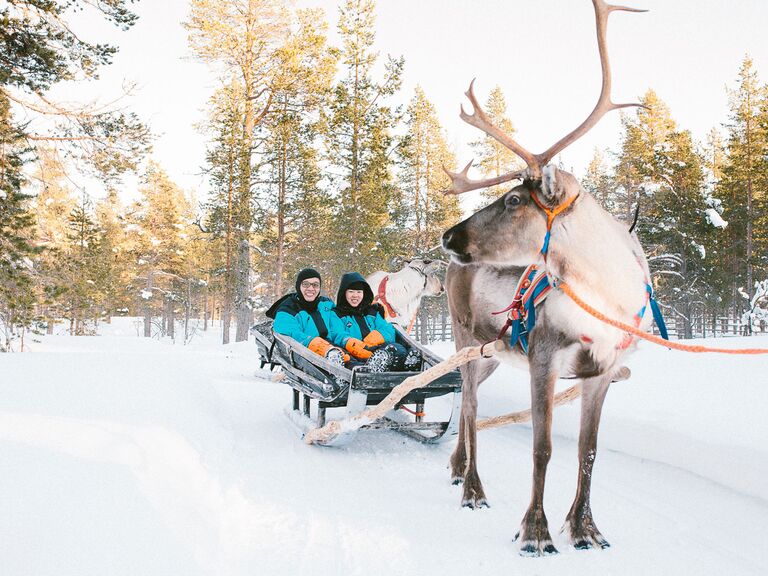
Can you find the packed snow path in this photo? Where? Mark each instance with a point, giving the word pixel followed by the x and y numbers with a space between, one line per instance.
pixel 122 455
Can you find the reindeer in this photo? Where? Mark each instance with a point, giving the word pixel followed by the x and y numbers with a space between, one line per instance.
pixel 547 217
pixel 400 293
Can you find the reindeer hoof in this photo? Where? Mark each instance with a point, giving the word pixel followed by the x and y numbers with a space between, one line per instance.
pixel 456 480
pixel 475 504
pixel 586 536
pixel 587 545
pixel 621 374
pixel 531 550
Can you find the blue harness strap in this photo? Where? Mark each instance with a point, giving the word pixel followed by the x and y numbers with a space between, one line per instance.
pixel 532 289
pixel 657 317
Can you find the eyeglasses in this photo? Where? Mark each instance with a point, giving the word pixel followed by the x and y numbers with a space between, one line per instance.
pixel 314 285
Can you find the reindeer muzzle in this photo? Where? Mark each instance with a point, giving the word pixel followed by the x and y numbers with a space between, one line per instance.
pixel 456 242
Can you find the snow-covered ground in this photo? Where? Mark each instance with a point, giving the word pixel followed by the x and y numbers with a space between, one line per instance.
pixel 127 456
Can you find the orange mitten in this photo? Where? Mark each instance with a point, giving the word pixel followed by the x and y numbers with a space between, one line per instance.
pixel 319 346
pixel 322 347
pixel 374 338
pixel 358 349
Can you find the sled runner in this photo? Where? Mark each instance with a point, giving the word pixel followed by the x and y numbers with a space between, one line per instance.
pixel 329 385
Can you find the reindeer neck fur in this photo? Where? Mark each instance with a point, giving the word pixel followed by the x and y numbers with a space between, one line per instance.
pixel 404 291
pixel 605 265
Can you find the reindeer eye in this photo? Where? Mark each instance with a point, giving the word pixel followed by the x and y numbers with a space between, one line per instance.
pixel 512 201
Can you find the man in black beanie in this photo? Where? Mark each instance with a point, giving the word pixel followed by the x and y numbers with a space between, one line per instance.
pixel 307 317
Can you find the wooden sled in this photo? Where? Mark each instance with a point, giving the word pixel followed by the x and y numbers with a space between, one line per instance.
pixel 313 378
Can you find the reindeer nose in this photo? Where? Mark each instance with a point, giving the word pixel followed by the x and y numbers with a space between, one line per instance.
pixel 447 235
pixel 448 240
pixel 454 240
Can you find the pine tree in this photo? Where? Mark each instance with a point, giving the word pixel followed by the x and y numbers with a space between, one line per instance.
pixel 41 48
pixel 600 182
pixel 53 205
pixel 292 137
pixel 113 254
pixel 423 153
pixel 360 143
pixel 644 137
pixel 224 165
pixel 243 38
pixel 493 158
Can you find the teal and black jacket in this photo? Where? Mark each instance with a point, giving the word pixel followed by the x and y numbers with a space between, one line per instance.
pixel 303 322
pixel 359 321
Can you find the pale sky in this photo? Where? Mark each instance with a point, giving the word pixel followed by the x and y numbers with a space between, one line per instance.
pixel 542 53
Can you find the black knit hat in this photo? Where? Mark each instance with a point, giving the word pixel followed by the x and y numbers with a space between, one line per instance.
pixel 304 275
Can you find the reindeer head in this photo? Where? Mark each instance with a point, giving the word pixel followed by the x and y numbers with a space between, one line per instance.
pixel 512 229
pixel 518 222
pixel 433 285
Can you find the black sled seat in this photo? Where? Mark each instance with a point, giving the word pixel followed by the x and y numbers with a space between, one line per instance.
pixel 313 378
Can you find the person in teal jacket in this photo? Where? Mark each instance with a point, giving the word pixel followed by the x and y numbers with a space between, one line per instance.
pixel 367 335
pixel 307 317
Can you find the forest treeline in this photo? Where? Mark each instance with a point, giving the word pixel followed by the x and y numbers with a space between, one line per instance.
pixel 315 156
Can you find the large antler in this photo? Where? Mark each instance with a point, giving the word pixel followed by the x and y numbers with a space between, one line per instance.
pixel 460 181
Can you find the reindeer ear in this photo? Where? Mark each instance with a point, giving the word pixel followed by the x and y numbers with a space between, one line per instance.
pixel 557 186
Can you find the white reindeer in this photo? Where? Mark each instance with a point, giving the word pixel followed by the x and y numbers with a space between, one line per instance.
pixel 400 293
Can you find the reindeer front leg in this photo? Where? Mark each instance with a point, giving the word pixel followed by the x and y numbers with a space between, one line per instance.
pixel 464 458
pixel 458 462
pixel 534 536
pixel 579 525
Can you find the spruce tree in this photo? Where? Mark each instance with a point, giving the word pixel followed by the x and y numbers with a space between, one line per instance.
pixel 163 219
pixel 16 221
pixel 743 184
pixel 425 212
pixel 85 280
pixel 660 165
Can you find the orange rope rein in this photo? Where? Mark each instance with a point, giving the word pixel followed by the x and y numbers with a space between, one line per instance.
pixel 650 337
